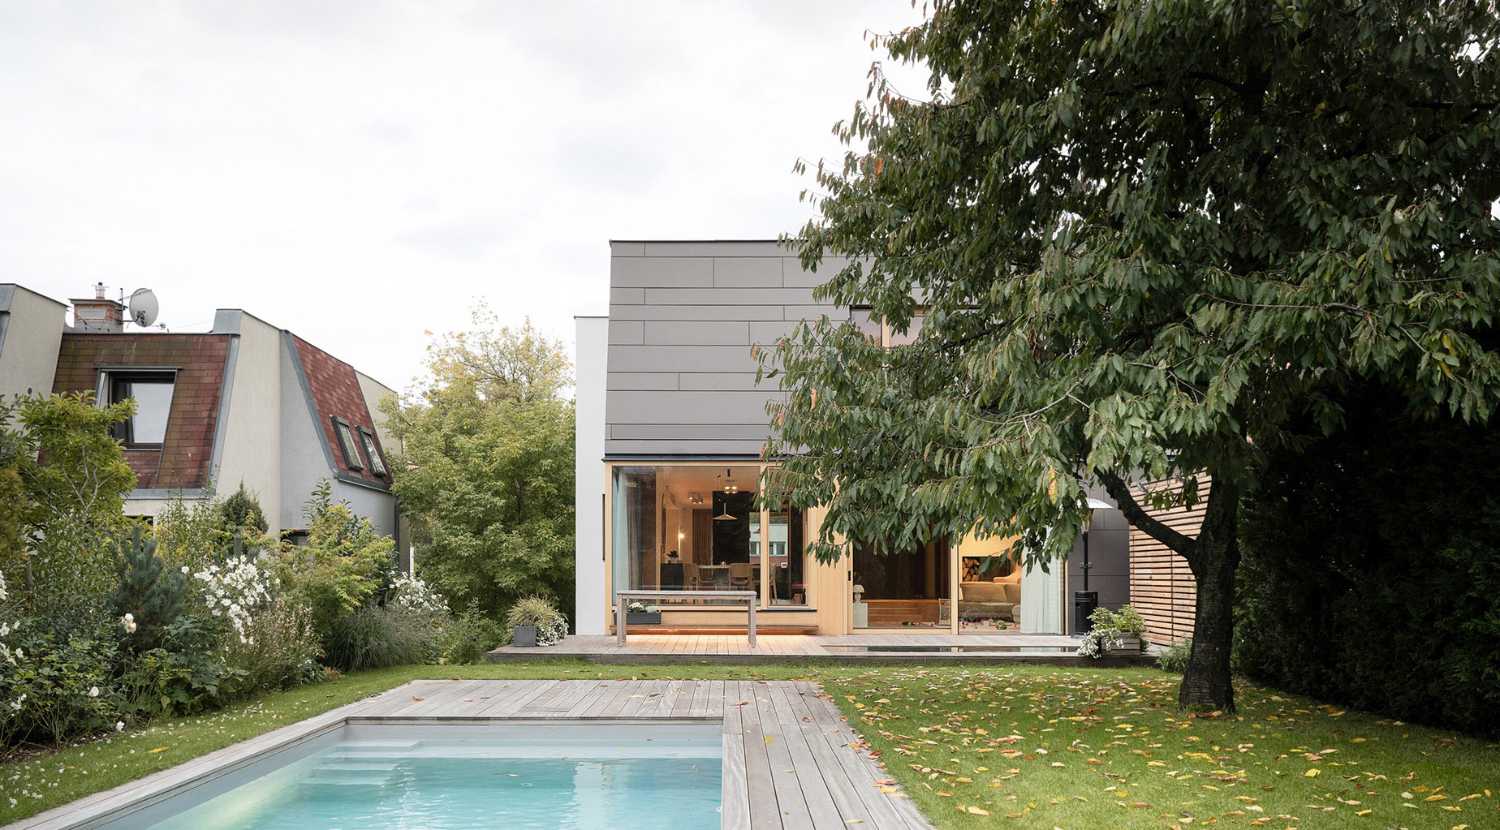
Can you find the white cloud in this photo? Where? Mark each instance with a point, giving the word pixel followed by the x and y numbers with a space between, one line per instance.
pixel 360 172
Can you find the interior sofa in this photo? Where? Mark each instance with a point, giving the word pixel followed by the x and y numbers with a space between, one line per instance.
pixel 988 600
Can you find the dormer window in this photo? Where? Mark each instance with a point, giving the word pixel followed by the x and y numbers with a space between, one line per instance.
pixel 152 393
pixel 377 464
pixel 347 444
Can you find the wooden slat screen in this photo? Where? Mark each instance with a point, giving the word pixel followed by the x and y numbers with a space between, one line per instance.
pixel 1161 585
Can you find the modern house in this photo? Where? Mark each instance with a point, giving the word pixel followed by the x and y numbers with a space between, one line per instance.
pixel 671 423
pixel 243 403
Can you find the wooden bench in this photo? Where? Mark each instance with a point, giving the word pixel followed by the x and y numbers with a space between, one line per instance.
pixel 623 599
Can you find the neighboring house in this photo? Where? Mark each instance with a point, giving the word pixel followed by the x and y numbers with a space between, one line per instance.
pixel 671 422
pixel 244 403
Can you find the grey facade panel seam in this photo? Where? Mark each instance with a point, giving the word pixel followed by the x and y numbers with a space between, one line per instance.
pixel 307 397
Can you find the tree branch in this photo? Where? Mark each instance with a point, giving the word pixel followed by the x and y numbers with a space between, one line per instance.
pixel 1138 517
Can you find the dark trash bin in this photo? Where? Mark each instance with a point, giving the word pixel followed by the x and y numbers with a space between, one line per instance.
pixel 1084 603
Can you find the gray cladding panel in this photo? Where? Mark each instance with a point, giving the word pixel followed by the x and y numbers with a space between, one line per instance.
pixel 683 316
pixel 695 407
pixel 657 272
pixel 684 333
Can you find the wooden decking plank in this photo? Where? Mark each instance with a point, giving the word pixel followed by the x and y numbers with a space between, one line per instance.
pixel 790 802
pixel 735 794
pixel 859 768
pixel 568 693
pixel 803 767
pixel 515 703
pixel 846 795
pixel 588 700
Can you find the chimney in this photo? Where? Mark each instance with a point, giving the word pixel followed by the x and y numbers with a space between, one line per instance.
pixel 98 314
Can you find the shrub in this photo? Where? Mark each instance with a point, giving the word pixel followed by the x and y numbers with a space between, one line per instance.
pixel 412 594
pixel 232 591
pixel 342 565
pixel 240 514
pixel 279 650
pixel 1175 657
pixel 1110 629
pixel 375 637
pixel 187 674
pixel 149 596
pixel 470 638
pixel 551 625
pixel 52 686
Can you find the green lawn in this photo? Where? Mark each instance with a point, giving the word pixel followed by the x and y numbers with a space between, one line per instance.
pixel 1023 746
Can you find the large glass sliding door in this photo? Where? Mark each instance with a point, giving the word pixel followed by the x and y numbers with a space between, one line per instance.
pixel 701 527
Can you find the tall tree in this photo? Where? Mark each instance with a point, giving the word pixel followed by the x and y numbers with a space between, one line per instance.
pixel 1140 238
pixel 486 470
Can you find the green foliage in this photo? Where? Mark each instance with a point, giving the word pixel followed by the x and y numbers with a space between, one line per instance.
pixel 56 685
pixel 1110 628
pixel 376 637
pixel 551 625
pixel 342 565
pixel 280 649
pixel 1174 658
pixel 149 595
pixel 1371 573
pixel 186 674
pixel 240 513
pixel 469 637
pixel 1141 239
pixel 486 473
pixel 63 478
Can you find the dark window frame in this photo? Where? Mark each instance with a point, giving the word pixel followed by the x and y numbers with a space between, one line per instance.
pixel 124 431
pixel 378 467
pixel 341 428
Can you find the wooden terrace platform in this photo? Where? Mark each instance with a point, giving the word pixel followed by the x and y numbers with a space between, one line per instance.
pixel 790 759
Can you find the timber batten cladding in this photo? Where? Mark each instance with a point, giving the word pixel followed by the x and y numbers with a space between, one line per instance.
pixel 1161 583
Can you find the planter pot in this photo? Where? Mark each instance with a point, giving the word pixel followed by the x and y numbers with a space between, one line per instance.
pixel 861 615
pixel 1130 644
pixel 523 635
pixel 643 618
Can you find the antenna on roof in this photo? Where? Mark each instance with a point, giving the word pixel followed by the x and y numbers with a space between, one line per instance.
pixel 143 307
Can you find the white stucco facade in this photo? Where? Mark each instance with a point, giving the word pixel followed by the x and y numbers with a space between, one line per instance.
pixel 590 359
pixel 31 328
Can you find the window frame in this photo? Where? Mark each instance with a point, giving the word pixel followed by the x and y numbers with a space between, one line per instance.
pixel 341 429
pixel 124 432
pixel 378 467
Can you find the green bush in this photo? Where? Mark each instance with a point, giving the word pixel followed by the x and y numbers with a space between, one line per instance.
pixel 470 638
pixel 55 687
pixel 149 595
pixel 280 649
pixel 341 567
pixel 1175 657
pixel 551 625
pixel 375 637
pixel 187 674
pixel 1371 572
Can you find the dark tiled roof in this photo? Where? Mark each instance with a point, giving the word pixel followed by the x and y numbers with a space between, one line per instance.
pixel 335 391
pixel 187 451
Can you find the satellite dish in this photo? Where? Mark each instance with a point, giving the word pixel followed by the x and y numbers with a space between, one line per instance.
pixel 143 307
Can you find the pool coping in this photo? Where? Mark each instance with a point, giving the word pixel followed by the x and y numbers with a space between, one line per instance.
pixel 822 746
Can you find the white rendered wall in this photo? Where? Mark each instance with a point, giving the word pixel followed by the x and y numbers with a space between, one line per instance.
pixel 31 329
pixel 593 337
pixel 251 443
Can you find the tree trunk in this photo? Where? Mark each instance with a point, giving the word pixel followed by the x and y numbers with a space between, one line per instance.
pixel 1213 557
pixel 1206 681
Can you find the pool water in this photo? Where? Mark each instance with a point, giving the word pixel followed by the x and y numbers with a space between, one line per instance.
pixel 605 776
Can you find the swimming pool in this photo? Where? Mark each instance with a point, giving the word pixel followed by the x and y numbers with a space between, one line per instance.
pixel 370 775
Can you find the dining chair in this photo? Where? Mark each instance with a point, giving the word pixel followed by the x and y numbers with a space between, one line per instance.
pixel 739 576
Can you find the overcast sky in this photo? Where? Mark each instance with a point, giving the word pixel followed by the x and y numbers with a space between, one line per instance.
pixel 362 172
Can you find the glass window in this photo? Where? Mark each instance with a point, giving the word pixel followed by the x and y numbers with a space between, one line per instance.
pixel 687 527
pixel 787 557
pixel 347 445
pixel 152 392
pixel 377 464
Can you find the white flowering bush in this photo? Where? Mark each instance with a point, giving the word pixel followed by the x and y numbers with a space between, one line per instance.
pixel 551 625
pixel 235 589
pixel 1111 628
pixel 410 593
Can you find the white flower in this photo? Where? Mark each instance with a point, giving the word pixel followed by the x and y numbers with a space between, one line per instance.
pixel 119 724
pixel 93 691
pixel 184 569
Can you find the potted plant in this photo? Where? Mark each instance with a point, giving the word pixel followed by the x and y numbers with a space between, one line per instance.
pixel 535 622
pixel 638 613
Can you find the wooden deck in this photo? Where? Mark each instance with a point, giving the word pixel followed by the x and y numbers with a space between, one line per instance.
pixel 897 646
pixel 790 760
